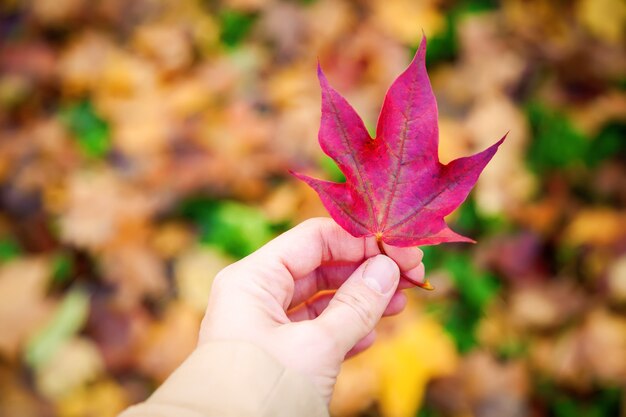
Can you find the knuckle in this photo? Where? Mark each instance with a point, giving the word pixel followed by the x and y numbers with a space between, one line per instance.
pixel 224 276
pixel 315 222
pixel 358 303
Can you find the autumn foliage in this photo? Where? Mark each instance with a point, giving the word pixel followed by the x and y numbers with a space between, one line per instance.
pixel 396 188
pixel 145 145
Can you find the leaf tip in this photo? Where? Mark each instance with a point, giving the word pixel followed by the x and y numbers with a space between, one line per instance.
pixel 320 74
pixel 498 143
pixel 300 176
pixel 421 50
pixel 426 285
pixel 463 239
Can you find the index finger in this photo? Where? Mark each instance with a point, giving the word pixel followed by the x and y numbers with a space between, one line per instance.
pixel 321 241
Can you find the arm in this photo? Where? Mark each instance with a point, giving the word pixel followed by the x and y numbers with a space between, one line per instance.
pixel 280 322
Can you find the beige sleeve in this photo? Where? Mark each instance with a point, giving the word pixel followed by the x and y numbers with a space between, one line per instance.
pixel 232 379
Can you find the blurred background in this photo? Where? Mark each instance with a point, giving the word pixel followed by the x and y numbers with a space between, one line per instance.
pixel 146 144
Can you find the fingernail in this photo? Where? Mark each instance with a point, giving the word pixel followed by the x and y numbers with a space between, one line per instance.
pixel 380 274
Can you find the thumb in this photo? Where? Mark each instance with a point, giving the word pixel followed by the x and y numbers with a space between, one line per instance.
pixel 360 302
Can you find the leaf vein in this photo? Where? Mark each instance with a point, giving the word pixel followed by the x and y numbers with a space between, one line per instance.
pixel 348 144
pixel 399 164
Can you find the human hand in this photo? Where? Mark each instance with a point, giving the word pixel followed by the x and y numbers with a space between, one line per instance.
pixel 278 298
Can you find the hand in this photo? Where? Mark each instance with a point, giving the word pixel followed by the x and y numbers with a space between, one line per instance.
pixel 277 298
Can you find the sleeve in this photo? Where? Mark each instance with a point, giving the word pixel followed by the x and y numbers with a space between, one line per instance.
pixel 232 379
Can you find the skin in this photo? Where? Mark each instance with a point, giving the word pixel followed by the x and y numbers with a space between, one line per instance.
pixel 311 297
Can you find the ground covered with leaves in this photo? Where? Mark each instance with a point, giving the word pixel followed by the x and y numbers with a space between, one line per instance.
pixel 144 145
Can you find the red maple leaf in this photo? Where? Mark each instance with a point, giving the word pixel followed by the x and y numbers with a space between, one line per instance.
pixel 396 189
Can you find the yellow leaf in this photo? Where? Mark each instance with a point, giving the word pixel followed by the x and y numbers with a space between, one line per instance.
pixel 599 226
pixel 194 272
pixel 406 363
pixel 405 19
pixel 606 19
pixel 411 349
pixel 170 239
pixel 104 398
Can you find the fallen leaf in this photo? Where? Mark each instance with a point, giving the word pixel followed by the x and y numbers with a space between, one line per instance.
pixel 74 364
pixel 411 349
pixel 169 341
pixel 65 323
pixel 329 20
pixel 495 389
pixel 560 358
pixel 505 184
pixel 286 27
pixel 136 271
pixel 24 307
pixel 57 12
pixel 606 19
pixel 18 399
pixel 616 280
pixel 595 226
pixel 604 343
pixel 81 64
pixel 122 210
pixel 194 271
pixel 516 257
pixel 104 398
pixel 399 17
pixel 117 332
pixel 246 5
pixel 589 353
pixel 545 306
pixel 396 189
pixel 149 40
pixel 170 239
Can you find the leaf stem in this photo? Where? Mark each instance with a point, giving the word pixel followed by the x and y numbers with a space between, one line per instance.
pixel 426 285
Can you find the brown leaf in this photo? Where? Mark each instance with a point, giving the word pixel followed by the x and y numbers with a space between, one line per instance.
pixel 120 210
pixel 117 332
pixel 169 341
pixel 18 399
pixel 546 305
pixel 603 344
pixel 593 352
pixel 518 257
pixel 505 184
pixel 56 12
pixel 616 279
pixel 136 272
pixel 178 55
pixel 495 389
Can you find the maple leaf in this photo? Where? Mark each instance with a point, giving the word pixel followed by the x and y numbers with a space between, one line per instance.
pixel 396 189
